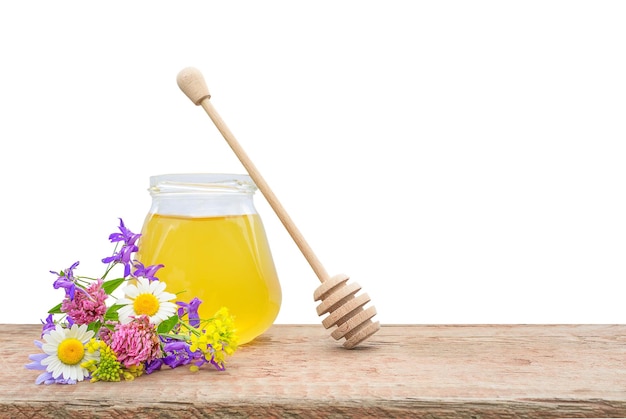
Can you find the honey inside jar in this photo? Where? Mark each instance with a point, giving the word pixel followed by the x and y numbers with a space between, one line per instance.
pixel 214 247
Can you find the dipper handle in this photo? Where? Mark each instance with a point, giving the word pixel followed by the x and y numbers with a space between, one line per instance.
pixel 191 82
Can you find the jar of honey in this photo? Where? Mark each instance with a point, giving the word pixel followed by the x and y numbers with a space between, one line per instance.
pixel 206 231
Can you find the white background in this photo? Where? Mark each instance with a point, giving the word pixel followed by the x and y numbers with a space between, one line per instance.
pixel 464 161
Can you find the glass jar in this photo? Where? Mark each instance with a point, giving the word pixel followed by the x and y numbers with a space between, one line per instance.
pixel 206 231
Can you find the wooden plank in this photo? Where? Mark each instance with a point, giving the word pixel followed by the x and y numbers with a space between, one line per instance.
pixel 541 371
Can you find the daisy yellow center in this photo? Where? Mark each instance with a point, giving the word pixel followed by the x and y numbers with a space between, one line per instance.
pixel 71 351
pixel 146 304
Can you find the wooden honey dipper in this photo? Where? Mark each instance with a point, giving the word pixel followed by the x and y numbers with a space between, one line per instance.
pixel 346 309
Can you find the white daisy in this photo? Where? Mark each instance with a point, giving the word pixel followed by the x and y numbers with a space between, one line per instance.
pixel 148 298
pixel 66 352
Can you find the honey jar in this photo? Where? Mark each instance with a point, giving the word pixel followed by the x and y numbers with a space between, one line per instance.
pixel 205 230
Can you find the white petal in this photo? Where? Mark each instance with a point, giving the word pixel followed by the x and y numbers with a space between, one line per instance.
pixel 124 314
pixel 143 284
pixel 131 291
pixel 55 367
pixel 48 338
pixel 47 360
pixel 89 356
pixel 166 296
pixel 76 330
pixel 55 336
pixel 167 306
pixel 86 337
pixel 69 372
pixel 126 309
pixel 50 349
pixel 157 287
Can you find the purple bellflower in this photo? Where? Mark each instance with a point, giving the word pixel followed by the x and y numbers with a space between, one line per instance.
pixel 147 272
pixel 65 280
pixel 191 310
pixel 128 247
pixel 48 325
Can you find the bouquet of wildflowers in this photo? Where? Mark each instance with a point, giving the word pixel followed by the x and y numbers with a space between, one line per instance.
pixel 95 335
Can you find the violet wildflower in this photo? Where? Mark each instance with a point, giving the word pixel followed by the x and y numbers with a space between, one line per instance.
pixel 128 248
pixel 65 280
pixel 153 366
pixel 146 272
pixel 191 310
pixel 135 342
pixel 125 235
pixel 48 325
pixel 87 307
pixel 177 353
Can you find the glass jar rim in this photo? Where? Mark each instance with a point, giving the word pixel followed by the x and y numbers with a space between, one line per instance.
pixel 201 183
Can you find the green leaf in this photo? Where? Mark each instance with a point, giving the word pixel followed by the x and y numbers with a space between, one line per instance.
pixel 112 284
pixel 167 325
pixel 94 326
pixel 56 309
pixel 111 313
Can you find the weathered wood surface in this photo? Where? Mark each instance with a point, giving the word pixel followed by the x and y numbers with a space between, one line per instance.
pixel 403 371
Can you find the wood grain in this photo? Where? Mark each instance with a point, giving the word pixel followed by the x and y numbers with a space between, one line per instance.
pixel 530 371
